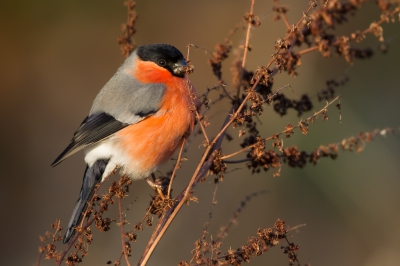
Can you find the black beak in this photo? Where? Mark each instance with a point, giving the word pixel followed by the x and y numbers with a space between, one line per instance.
pixel 179 68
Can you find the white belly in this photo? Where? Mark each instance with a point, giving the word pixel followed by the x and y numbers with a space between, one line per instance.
pixel 110 149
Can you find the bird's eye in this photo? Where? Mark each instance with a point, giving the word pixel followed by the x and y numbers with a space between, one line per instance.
pixel 162 62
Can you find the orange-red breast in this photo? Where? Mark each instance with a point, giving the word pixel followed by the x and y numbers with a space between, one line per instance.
pixel 136 122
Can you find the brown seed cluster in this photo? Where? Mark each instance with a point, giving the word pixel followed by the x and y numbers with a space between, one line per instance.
pixel 254 20
pixel 125 40
pixel 282 103
pixel 261 159
pixel 221 53
pixel 218 167
pixel 328 93
pixel 255 246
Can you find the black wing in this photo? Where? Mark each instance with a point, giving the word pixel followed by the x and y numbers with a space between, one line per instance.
pixel 94 128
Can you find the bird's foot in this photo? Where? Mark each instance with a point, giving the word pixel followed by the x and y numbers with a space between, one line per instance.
pixel 157 184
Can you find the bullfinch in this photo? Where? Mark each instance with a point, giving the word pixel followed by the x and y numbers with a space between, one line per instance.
pixel 137 121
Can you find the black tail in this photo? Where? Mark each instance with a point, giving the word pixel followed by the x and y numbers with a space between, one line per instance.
pixel 91 178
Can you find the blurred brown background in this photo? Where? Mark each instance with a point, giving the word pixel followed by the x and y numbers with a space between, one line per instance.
pixel 55 57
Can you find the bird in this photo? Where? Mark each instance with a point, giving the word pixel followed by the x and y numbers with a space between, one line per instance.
pixel 136 122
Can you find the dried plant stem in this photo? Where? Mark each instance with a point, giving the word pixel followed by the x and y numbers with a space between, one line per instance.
pixel 168 217
pixel 323 109
pixel 278 49
pixel 203 130
pixel 237 161
pixel 39 257
pixel 284 18
pixel 234 30
pixel 42 248
pixel 213 201
pixel 308 50
pixel 219 135
pixel 71 243
pixel 177 165
pixel 240 251
pixel 282 132
pixel 382 20
pixel 297 227
pixel 237 152
pixel 295 258
pixel 41 251
pixel 224 230
pixel 225 127
pixel 122 223
pixel 246 49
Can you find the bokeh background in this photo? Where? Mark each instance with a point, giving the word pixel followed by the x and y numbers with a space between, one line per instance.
pixel 56 55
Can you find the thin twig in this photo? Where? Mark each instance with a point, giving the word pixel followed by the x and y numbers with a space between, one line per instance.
pixel 177 165
pixel 237 152
pixel 284 18
pixel 213 202
pixel 296 227
pixel 202 127
pixel 235 215
pixel 246 49
pixel 197 47
pixel 308 50
pixel 323 109
pixel 237 161
pixel 39 257
pixel 122 222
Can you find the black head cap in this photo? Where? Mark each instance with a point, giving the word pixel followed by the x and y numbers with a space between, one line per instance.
pixel 164 55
